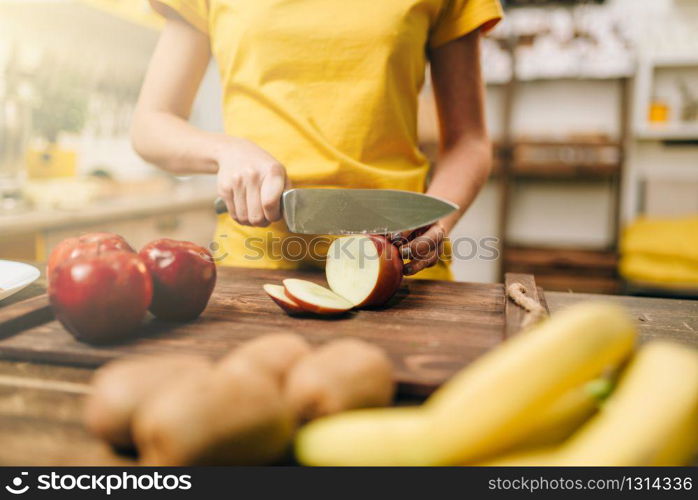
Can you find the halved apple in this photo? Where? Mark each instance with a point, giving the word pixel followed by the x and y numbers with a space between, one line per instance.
pixel 364 269
pixel 278 295
pixel 315 298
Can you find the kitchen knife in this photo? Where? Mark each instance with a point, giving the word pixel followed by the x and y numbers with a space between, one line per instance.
pixel 346 211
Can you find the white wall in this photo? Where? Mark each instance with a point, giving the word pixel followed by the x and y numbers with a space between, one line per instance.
pixel 566 107
pixel 479 222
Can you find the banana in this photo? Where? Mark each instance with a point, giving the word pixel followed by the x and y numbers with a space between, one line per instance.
pixel 534 457
pixel 494 402
pixel 558 421
pixel 487 406
pixel 652 418
pixel 372 436
pixel 399 429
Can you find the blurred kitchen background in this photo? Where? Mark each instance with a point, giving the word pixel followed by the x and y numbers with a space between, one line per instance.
pixel 593 108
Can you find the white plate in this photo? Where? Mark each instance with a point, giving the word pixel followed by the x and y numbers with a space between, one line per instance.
pixel 14 276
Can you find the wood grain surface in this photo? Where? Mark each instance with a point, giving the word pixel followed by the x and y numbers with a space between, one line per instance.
pixel 41 403
pixel 24 315
pixel 430 329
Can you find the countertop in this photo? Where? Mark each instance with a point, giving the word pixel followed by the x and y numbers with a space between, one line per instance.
pixel 176 198
pixel 41 404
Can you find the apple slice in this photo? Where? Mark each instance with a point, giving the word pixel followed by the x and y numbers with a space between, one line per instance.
pixel 278 295
pixel 315 298
pixel 364 269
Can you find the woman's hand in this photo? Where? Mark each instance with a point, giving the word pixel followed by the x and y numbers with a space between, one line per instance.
pixel 422 247
pixel 251 183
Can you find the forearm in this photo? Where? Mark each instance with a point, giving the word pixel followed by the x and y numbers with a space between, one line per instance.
pixel 175 145
pixel 466 152
pixel 160 131
pixel 460 173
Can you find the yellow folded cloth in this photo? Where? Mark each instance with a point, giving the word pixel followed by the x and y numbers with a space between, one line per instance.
pixel 661 251
pixel 654 269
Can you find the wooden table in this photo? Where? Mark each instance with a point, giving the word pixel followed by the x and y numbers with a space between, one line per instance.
pixel 41 404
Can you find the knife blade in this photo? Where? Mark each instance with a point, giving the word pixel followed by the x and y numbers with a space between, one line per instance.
pixel 347 211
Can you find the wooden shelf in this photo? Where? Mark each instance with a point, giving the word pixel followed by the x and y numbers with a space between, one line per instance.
pixel 566 269
pixel 592 142
pixel 577 77
pixel 602 260
pixel 564 170
pixel 674 61
pixel 667 133
pixel 579 284
pixel 554 170
pixel 591 157
pixel 645 81
pixel 560 160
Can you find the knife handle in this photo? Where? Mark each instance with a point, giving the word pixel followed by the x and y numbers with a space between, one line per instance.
pixel 220 206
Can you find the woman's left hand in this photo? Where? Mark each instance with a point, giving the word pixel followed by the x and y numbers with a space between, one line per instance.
pixel 422 247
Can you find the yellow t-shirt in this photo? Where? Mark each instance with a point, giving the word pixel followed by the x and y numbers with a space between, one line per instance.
pixel 329 88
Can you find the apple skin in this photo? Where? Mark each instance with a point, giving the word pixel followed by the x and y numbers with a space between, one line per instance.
pixel 309 307
pixel 277 293
pixel 184 275
pixel 390 274
pixel 89 244
pixel 313 307
pixel 101 298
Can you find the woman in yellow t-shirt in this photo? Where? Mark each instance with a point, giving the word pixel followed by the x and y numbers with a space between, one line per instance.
pixel 318 93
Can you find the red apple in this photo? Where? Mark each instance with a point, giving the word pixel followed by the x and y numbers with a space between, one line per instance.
pixel 87 244
pixel 364 269
pixel 101 298
pixel 278 295
pixel 184 275
pixel 315 298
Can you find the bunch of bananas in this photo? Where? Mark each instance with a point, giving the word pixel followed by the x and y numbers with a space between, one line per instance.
pixel 541 398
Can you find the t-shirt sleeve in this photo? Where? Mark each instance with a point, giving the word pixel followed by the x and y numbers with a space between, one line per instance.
pixel 459 17
pixel 195 12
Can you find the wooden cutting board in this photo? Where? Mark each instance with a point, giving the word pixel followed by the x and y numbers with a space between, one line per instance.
pixel 430 329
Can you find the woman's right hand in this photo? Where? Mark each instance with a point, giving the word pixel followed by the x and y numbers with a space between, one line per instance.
pixel 251 183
